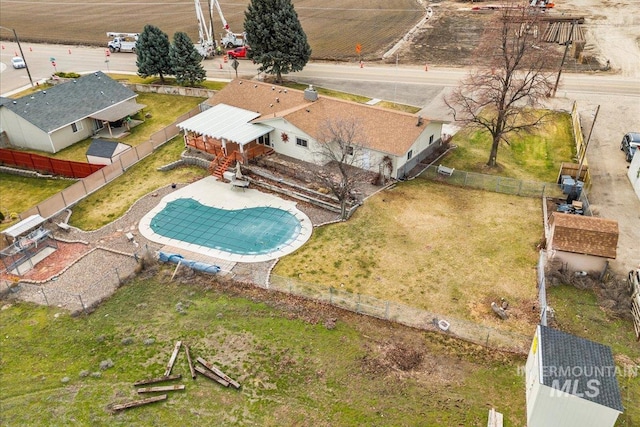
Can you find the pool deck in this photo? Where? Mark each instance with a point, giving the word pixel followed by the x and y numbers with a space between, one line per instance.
pixel 211 192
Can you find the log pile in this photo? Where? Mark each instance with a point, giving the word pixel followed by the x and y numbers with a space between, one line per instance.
pixel 561 32
pixel 207 370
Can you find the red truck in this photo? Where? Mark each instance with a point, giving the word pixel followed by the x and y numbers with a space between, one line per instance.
pixel 239 52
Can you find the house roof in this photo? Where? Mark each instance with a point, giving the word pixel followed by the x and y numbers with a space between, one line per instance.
pixel 118 111
pixel 66 103
pixel 384 130
pixel 585 234
pixel 566 357
pixel 103 148
pixel 226 122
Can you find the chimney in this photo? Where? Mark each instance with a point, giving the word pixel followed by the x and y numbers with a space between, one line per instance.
pixel 310 94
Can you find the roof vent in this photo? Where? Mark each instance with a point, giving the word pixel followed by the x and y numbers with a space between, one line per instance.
pixel 310 94
pixel 240 81
pixel 419 123
pixel 273 88
pixel 44 91
pixel 255 86
pixel 14 102
pixel 285 91
pixel 277 100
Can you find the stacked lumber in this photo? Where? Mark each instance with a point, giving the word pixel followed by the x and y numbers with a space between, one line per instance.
pixel 562 32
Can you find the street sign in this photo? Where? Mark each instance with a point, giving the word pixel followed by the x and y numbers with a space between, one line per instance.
pixel 235 64
pixel 52 59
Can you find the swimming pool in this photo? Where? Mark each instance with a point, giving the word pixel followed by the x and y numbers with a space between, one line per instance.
pixel 249 231
pixel 210 218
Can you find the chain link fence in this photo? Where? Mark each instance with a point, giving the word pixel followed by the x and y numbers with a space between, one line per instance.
pixel 56 292
pixel 497 184
pixel 404 314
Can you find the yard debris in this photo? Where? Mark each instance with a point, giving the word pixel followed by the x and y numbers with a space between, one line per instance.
pixel 218 372
pixel 211 375
pixel 499 311
pixel 193 373
pixel 173 359
pixel 161 388
pixel 136 403
pixel 158 380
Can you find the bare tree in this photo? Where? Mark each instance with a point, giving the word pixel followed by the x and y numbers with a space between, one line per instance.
pixel 501 94
pixel 341 145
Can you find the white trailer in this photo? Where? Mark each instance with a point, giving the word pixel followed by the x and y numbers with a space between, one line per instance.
pixel 122 42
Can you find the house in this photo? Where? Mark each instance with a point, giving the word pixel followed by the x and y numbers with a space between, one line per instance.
pixel 103 152
pixel 247 119
pixel 633 173
pixel 584 243
pixel 570 382
pixel 52 119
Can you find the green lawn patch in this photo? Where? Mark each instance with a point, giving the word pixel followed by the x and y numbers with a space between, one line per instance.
pixel 533 157
pixel 285 361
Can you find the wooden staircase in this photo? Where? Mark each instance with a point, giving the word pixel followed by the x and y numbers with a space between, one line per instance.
pixel 219 165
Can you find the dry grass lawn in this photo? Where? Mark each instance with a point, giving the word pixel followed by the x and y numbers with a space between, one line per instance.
pixel 444 249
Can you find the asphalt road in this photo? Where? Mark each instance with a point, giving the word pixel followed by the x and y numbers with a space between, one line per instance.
pixel 618 98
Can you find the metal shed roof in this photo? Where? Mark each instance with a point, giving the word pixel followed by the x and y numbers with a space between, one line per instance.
pixel 24 226
pixel 227 122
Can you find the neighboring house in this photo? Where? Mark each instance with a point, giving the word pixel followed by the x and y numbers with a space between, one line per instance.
pixel 634 173
pixel 584 243
pixel 570 382
pixel 250 118
pixel 52 119
pixel 103 152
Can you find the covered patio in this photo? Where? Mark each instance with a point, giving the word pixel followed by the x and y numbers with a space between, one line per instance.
pixel 116 120
pixel 228 133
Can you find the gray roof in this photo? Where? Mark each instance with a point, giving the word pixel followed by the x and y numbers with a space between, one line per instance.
pixel 102 148
pixel 566 357
pixel 66 103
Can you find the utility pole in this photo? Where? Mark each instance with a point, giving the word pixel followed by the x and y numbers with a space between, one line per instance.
pixel 26 66
pixel 586 144
pixel 566 49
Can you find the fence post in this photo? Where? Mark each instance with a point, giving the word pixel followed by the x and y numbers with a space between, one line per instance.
pixel 466 175
pixel 358 305
pixel 331 295
pixel 118 276
pixel 386 310
pixel 46 301
pixel 498 185
pixel 520 188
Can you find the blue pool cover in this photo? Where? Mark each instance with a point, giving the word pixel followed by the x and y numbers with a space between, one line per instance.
pixel 249 231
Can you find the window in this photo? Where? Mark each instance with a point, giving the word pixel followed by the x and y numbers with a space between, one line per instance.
pixel 348 150
pixel 409 154
pixel 431 140
pixel 265 140
pixel 302 142
pixel 77 126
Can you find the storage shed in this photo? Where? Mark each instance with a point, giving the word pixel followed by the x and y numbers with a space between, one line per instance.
pixel 570 382
pixel 584 243
pixel 104 152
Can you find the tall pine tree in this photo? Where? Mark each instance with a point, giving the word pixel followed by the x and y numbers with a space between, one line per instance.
pixel 186 61
pixel 278 42
pixel 152 50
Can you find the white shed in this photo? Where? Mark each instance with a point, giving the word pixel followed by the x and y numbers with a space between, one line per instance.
pixel 570 382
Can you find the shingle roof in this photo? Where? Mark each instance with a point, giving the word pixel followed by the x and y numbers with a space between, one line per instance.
pixel 69 102
pixel 384 130
pixel 566 357
pixel 102 148
pixel 585 234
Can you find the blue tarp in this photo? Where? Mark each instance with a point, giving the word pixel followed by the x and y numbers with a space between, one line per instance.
pixel 196 265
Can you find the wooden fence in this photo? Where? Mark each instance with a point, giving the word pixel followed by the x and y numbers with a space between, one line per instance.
pixel 46 164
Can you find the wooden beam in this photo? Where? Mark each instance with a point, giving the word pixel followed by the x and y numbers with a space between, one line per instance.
pixel 218 372
pixel 161 388
pixel 136 403
pixel 158 380
pixel 211 375
pixel 193 373
pixel 173 359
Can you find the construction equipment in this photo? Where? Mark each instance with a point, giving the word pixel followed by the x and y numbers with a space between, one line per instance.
pixel 229 39
pixel 122 42
pixel 545 4
pixel 206 45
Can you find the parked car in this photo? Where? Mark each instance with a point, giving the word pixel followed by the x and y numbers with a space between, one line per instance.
pixel 629 144
pixel 18 62
pixel 239 52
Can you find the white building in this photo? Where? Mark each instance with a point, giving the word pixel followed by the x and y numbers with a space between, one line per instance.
pixel 570 382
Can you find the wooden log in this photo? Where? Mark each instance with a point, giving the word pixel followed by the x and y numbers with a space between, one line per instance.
pixel 161 388
pixel 136 403
pixel 211 375
pixel 218 372
pixel 193 373
pixel 173 359
pixel 158 380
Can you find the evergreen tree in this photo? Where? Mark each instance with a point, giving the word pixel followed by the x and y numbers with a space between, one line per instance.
pixel 278 42
pixel 186 61
pixel 152 50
